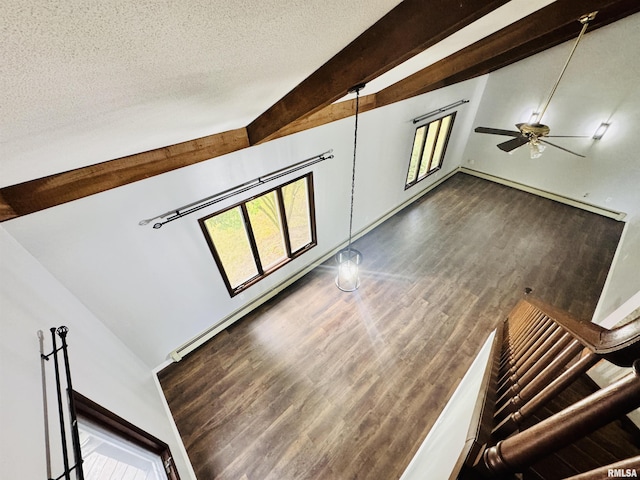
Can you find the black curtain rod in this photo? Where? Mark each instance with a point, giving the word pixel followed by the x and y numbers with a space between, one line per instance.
pixel 185 210
pixel 439 110
pixel 75 436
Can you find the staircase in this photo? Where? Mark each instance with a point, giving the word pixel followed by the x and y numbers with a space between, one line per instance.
pixel 542 417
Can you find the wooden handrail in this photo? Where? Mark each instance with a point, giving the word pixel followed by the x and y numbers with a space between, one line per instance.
pixel 527 447
pixel 518 391
pixel 620 345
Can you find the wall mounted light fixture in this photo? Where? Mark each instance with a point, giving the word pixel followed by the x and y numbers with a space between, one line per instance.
pixel 601 130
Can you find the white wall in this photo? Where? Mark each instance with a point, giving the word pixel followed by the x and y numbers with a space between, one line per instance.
pixel 122 288
pixel 444 448
pixel 156 289
pixel 605 373
pixel 600 84
pixel 103 368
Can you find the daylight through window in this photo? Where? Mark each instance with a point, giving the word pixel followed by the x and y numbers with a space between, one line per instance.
pixel 113 448
pixel 429 145
pixel 252 239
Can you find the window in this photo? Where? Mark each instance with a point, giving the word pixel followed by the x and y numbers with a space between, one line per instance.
pixel 254 238
pixel 429 145
pixel 113 448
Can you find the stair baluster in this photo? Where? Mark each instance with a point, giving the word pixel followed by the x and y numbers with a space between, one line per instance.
pixel 523 449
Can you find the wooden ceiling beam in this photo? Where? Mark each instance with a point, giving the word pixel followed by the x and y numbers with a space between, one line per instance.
pixel 511 44
pixel 408 29
pixel 330 113
pixel 546 28
pixel 35 195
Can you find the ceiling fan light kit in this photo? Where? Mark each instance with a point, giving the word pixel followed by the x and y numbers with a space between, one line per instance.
pixel 534 132
pixel 536 149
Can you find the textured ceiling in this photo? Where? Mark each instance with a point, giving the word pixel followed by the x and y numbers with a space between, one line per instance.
pixel 79 58
pixel 84 82
pixel 184 68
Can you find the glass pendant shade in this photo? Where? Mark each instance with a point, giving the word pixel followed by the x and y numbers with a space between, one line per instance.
pixel 348 278
pixel 535 149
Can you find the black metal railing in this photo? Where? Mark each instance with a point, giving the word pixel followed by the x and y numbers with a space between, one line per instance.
pixel 73 424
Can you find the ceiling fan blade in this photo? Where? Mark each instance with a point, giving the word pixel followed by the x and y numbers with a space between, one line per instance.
pixel 512 144
pixel 497 131
pixel 561 148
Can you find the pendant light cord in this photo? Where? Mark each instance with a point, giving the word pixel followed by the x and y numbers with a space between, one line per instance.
pixel 353 172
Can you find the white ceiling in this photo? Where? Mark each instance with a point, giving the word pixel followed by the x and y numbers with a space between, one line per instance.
pixel 156 289
pixel 85 82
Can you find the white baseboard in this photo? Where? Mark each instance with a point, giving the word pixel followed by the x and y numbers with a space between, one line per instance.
pixel 180 352
pixel 545 194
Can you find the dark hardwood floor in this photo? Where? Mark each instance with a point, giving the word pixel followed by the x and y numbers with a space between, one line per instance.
pixel 322 384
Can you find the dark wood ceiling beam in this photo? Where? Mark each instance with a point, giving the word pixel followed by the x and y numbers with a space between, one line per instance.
pixel 607 15
pixel 6 210
pixel 546 28
pixel 35 195
pixel 408 29
pixel 492 53
pixel 330 113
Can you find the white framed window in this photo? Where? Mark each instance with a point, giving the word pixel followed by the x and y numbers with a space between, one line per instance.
pixel 112 448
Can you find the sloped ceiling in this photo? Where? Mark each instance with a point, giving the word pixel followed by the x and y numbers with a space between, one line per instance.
pixel 157 289
pixel 90 86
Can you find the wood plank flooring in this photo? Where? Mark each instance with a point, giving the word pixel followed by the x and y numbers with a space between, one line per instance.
pixel 322 384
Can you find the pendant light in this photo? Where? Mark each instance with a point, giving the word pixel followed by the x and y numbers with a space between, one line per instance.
pixel 349 259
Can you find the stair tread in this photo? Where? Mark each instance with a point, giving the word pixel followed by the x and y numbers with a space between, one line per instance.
pixel 553 467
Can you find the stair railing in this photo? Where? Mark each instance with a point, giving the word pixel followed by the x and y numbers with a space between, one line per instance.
pixel 527 447
pixel 544 351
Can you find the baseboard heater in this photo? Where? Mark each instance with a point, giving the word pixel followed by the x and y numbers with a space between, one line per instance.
pixel 179 353
pixel 605 212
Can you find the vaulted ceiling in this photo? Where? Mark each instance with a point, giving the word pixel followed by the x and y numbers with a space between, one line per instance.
pixel 99 97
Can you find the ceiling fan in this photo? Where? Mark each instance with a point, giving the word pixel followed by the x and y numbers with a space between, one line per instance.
pixel 534 132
